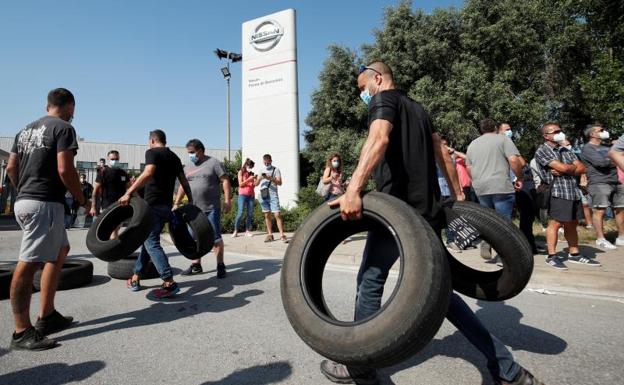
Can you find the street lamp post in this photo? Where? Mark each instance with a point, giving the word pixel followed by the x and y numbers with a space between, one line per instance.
pixel 230 57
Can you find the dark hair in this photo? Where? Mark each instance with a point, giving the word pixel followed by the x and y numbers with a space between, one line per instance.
pixel 60 97
pixel 444 137
pixel 487 125
pixel 102 160
pixel 112 152
pixel 247 162
pixel 159 136
pixel 267 156
pixel 196 144
pixel 548 124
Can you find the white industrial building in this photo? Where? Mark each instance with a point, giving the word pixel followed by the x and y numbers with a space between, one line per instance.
pixel 132 156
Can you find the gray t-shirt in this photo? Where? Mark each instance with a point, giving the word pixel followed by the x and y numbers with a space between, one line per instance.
pixel 600 169
pixel 489 167
pixel 205 179
pixel 269 171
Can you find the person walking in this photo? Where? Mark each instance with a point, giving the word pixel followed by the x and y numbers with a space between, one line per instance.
pixel 246 183
pixel 111 183
pixel 41 167
pixel 603 185
pixel 162 168
pixel 489 159
pixel 269 179
pixel 559 168
pixel 206 175
pixel 401 149
pixel 334 177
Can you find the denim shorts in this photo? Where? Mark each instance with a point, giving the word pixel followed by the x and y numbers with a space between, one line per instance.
pixel 272 204
pixel 214 217
pixel 43 226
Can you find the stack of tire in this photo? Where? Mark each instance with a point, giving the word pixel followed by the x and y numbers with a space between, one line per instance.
pixel 415 310
pixel 120 252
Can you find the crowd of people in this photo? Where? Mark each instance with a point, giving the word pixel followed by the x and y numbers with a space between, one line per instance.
pixel 403 152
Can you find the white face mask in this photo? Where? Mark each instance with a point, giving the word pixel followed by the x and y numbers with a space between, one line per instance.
pixel 248 169
pixel 569 148
pixel 604 135
pixel 335 164
pixel 113 163
pixel 559 137
pixel 509 134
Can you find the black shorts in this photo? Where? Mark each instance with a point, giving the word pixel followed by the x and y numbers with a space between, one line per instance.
pixel 563 210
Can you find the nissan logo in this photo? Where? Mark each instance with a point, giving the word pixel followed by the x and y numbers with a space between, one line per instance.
pixel 266 35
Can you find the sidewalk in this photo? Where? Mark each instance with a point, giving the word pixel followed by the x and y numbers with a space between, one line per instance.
pixel 607 280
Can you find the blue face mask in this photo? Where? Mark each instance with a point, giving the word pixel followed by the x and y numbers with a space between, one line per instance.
pixel 366 97
pixel 193 158
pixel 509 134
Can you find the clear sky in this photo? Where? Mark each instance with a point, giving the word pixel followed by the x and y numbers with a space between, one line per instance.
pixel 139 65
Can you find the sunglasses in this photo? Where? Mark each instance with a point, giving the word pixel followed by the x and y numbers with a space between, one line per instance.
pixel 553 132
pixel 364 68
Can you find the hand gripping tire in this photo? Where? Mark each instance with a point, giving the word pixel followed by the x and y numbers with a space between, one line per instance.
pixel 6 275
pixel 510 244
pixel 74 273
pixel 124 268
pixel 410 317
pixel 192 247
pixel 139 227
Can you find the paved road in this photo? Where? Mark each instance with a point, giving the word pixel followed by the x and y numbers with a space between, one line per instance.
pixel 234 332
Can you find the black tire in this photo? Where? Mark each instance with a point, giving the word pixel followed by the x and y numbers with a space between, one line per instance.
pixel 189 246
pixel 124 268
pixel 510 244
pixel 410 317
pixel 6 275
pixel 74 273
pixel 130 239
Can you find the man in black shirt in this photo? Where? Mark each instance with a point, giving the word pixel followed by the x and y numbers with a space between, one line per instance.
pixel 162 168
pixel 111 182
pixel 401 149
pixel 41 166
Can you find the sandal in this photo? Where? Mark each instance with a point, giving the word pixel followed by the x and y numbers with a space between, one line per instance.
pixel 269 238
pixel 284 239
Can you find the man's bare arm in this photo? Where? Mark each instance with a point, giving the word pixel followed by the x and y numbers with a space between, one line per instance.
pixel 517 163
pixel 184 184
pixel 69 175
pixel 446 164
pixel 372 152
pixel 13 169
pixel 618 158
pixel 145 176
pixel 227 188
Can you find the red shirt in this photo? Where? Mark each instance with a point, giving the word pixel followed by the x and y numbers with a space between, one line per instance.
pixel 462 173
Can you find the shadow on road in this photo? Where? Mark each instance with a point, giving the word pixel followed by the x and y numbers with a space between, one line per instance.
pixel 503 321
pixel 257 375
pixel 194 298
pixel 53 374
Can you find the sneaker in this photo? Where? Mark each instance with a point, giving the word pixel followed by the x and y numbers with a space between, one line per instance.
pixel 221 273
pixel 31 339
pixel 583 260
pixel 556 262
pixel 619 241
pixel 166 291
pixel 589 227
pixel 496 260
pixel 453 246
pixel 248 234
pixel 604 244
pixel 486 250
pixel 524 377
pixel 195 268
pixel 340 374
pixel 133 285
pixel 52 323
pixel 561 231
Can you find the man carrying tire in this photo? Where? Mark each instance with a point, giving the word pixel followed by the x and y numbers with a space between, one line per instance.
pixel 41 167
pixel 401 149
pixel 111 184
pixel 162 168
pixel 204 174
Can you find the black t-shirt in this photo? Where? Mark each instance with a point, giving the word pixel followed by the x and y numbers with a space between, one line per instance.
pixel 113 182
pixel 159 189
pixel 36 147
pixel 408 169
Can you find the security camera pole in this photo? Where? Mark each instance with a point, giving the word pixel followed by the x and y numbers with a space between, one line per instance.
pixel 231 57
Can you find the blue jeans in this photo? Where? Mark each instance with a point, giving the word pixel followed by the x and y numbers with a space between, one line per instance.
pixel 380 253
pixel 502 203
pixel 244 202
pixel 214 217
pixel 152 248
